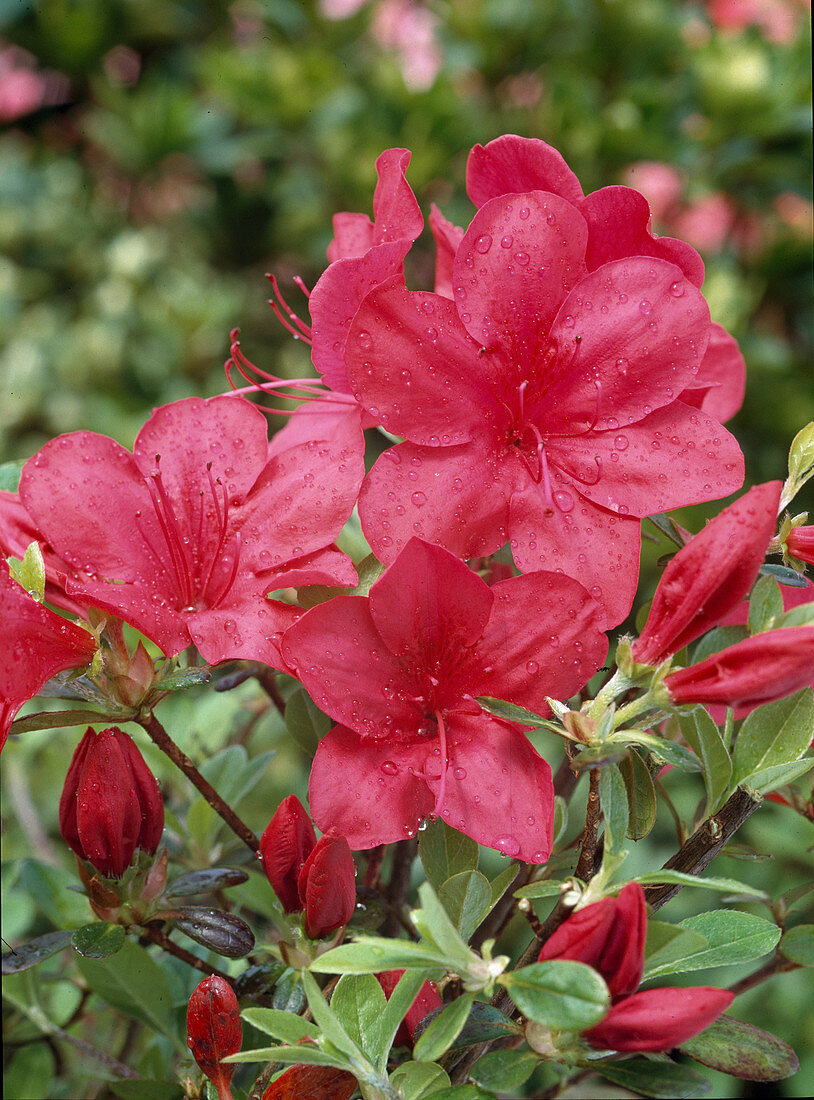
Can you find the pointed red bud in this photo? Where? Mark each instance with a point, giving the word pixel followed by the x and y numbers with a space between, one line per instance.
pixel 609 936
pixel 284 847
pixel 111 802
pixel 800 544
pixel 658 1019
pixel 214 1030
pixel 327 886
pixel 709 576
pixel 427 999
pixel 313 1082
pixel 768 666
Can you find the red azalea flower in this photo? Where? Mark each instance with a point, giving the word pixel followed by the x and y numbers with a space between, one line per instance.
pixel 285 845
pixel 399 670
pixel 541 406
pixel 214 1031
pixel 35 644
pixel 800 544
pixel 768 666
pixel 710 575
pixel 609 935
pixel 426 1001
pixel 327 886
pixel 111 803
pixel 185 536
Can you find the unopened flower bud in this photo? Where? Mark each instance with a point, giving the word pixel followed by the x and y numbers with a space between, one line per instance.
pixel 111 803
pixel 214 1030
pixel 800 544
pixel 426 1001
pixel 327 886
pixel 285 845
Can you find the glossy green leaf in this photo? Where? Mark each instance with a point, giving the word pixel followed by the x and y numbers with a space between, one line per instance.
pixel 732 937
pixel 331 1028
pixel 769 779
pixel 397 1007
pixel 669 751
pixel 504 1070
pixel 613 799
pixel 183 678
pixel 720 638
pixel 784 575
pixel 289 996
pixel 10 475
pixel 641 795
pixel 797 945
pixel 369 954
pixel 660 1080
pixel 560 819
pixel 546 889
pixel 723 885
pixel 134 983
pixel 432 922
pixel 442 1031
pixel 560 994
pixel 774 734
pixel 50 889
pixel 305 721
pixel 667 946
pixel 445 852
pixel 35 951
pixel 98 940
pixel 358 1002
pixel 294 1055
pixel 484 1024
pixel 513 713
pixel 419 1080
pixel 742 1050
pixel 798 616
pixel 501 884
pixel 285 1026
pixel 467 898
pixel 704 738
pixel 765 605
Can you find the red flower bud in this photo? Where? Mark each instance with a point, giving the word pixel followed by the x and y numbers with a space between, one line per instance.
pixel 214 1030
pixel 800 543
pixel 658 1019
pixel 609 936
pixel 313 1082
pixel 284 847
pixel 427 999
pixel 710 575
pixel 111 803
pixel 760 669
pixel 327 886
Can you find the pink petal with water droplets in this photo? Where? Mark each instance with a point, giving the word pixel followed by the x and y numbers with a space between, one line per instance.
pixel 349 672
pixel 251 630
pixel 720 383
pixel 145 604
pixel 353 236
pixel 429 605
pixel 323 418
pixel 447 240
pixel 547 631
pixel 457 497
pixel 674 457
pixel 498 789
pixel 396 214
pixel 599 549
pixel 511 164
pixel 619 223
pixel 517 261
pixel 631 337
pixel 415 369
pixel 367 789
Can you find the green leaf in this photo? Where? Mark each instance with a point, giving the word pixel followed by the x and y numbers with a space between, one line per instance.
pixel 35 951
pixel 545 889
pixel 801 464
pixel 222 932
pixel 98 940
pixel 206 881
pixel 369 954
pixel 330 1026
pixel 134 983
pixel 613 799
pixel 442 1032
pixel 667 946
pixel 294 1055
pixel 512 713
pixel 803 615
pixel 784 575
pixel 289 996
pixel 720 638
pixel 769 779
pixel 501 884
pixel 725 885
pixel 183 678
pixel 31 572
pixel 305 721
pixel 10 475
pixel 419 1080
pixel 398 1005
pixel 776 733
pixel 432 922
pixel 797 945
pixel 145 1089
pixel 485 1024
pixel 641 795
pixel 765 605
pixel 467 898
pixel 669 751
pixel 661 1080
pixel 504 1070
pixel 284 1026
pixel 445 852
pixel 704 738
pixel 560 994
pixel 560 819
pixel 358 1002
pixel 742 1050
pixel 464 1092
pixel 49 887
pixel 732 937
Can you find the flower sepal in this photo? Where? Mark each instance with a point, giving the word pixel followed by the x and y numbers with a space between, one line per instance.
pixel 563 1047
pixel 133 897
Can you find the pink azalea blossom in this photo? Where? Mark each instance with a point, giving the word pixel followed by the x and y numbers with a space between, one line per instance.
pixel 800 544
pixel 778 20
pixel 35 644
pixel 184 537
pixel 709 576
pixel 400 670
pixel 541 406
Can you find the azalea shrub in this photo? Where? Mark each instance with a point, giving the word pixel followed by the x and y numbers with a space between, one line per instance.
pixel 427 581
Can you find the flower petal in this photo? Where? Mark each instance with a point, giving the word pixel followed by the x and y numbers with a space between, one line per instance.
pixel 367 789
pixel 447 241
pixel 511 164
pixel 250 629
pixel 619 223
pixel 517 261
pixel 396 213
pixel 659 1019
pixel 498 789
pixel 720 383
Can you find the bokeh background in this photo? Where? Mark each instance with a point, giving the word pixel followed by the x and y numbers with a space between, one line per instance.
pixel 158 157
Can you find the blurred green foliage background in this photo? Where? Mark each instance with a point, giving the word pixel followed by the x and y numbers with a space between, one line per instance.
pixel 157 157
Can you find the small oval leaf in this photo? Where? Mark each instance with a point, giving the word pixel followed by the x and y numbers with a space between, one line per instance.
pixel 221 932
pixel 33 952
pixel 742 1050
pixel 98 940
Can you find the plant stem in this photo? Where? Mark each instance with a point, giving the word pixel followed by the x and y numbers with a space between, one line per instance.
pixel 150 723
pixel 585 865
pixel 267 681
pixel 403 855
pixel 163 940
pixel 777 965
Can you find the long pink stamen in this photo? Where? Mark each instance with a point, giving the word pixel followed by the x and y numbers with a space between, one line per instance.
pixel 442 789
pixel 171 530
pixel 302 331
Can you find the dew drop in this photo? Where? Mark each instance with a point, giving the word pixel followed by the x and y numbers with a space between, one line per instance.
pixel 507 242
pixel 621 443
pixel 645 307
pixel 568 321
pixel 483 244
pixel 459 773
pixel 521 258
pixel 523 213
pixel 677 290
pixel 389 768
pixel 364 339
pixel 563 500
pixel 532 667
pixel 418 498
pixel 508 845
pixel 624 510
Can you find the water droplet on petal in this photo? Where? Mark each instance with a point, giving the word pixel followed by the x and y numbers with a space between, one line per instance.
pixel 508 845
pixel 645 307
pixel 521 258
pixel 507 242
pixel 483 244
pixel 677 290
pixel 622 365
pixel 621 442
pixel 532 667
pixel 563 500
pixel 364 339
pixel 419 499
pixel 389 768
pixel 459 773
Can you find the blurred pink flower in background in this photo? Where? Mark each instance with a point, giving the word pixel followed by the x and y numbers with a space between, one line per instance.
pixel 403 26
pixel 24 88
pixel 777 19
